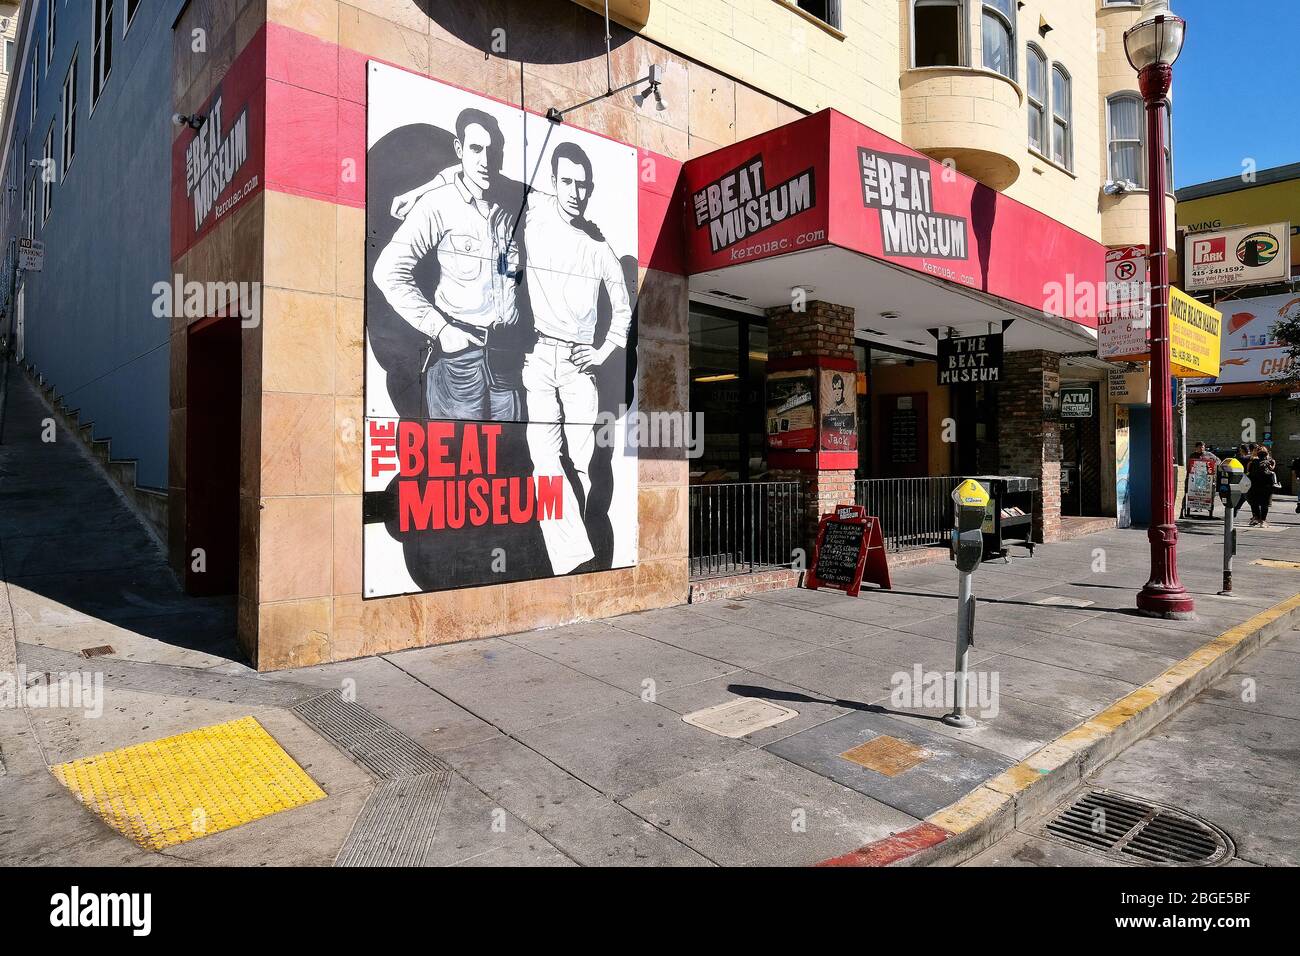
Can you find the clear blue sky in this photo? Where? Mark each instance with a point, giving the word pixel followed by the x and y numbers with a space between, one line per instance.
pixel 1234 94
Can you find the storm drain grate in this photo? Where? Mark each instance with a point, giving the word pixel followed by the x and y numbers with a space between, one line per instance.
pixel 397 825
pixel 103 650
pixel 1137 831
pixel 376 745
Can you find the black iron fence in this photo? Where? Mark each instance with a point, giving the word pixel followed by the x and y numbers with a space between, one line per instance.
pixel 742 527
pixel 914 512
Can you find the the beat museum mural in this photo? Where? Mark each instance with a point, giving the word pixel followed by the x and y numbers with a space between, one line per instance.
pixel 500 358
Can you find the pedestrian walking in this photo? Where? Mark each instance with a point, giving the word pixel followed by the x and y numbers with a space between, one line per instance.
pixel 1262 472
pixel 1245 455
pixel 1295 481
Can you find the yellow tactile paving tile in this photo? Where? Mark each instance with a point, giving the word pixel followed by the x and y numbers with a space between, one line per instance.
pixel 169 791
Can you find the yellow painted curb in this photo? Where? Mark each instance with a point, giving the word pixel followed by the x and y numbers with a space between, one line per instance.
pixel 980 804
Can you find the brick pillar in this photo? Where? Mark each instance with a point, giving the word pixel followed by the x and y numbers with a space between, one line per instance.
pixel 1029 437
pixel 821 329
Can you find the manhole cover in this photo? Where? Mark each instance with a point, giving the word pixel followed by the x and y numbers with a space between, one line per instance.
pixel 1138 831
pixel 886 755
pixel 739 717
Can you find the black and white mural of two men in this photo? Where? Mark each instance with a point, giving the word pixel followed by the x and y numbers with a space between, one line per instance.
pixel 500 342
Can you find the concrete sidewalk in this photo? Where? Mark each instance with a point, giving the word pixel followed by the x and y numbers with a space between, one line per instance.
pixel 568 746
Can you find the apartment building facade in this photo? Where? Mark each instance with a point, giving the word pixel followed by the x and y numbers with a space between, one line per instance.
pixel 306 232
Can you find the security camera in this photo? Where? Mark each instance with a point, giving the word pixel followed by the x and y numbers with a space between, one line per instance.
pixel 193 122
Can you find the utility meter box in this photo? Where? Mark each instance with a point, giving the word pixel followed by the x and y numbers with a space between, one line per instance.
pixel 970 499
pixel 1233 482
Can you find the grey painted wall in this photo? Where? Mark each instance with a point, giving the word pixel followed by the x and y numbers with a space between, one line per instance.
pixel 90 328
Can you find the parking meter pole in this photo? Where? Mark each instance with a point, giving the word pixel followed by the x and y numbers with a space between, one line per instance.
pixel 965 633
pixel 1233 485
pixel 970 498
pixel 1229 548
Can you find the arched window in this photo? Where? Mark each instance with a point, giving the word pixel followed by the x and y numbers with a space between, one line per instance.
pixel 998 34
pixel 1036 94
pixel 1126 135
pixel 937 35
pixel 1062 131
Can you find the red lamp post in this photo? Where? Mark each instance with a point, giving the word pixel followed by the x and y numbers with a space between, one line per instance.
pixel 1152 46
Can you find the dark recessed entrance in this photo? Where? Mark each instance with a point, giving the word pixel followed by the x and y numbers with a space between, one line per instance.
pixel 213 384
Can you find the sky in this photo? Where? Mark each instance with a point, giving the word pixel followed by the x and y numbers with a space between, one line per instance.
pixel 1232 94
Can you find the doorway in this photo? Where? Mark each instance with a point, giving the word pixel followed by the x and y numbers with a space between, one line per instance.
pixel 214 382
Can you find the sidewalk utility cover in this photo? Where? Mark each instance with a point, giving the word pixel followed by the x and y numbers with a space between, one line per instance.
pixel 736 718
pixel 169 791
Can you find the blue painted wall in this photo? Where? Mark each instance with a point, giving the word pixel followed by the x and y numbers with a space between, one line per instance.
pixel 90 327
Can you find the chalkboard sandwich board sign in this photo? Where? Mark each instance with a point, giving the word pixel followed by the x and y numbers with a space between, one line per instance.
pixel 849 550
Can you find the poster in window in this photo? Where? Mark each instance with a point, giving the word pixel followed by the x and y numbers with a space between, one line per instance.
pixel 499 343
pixel 839 410
pixel 791 409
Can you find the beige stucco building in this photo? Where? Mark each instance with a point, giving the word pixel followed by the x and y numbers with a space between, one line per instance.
pixel 1005 101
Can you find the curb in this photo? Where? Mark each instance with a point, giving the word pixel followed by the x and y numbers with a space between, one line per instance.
pixel 1040 781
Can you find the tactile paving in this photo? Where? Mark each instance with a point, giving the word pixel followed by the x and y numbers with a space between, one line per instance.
pixel 179 788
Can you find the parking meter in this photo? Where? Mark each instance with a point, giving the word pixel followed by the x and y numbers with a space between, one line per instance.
pixel 968 535
pixel 970 499
pixel 1233 485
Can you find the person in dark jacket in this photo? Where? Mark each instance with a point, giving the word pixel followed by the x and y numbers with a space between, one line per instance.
pixel 1260 471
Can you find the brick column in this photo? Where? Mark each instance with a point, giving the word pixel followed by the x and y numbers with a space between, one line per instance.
pixel 1029 438
pixel 821 329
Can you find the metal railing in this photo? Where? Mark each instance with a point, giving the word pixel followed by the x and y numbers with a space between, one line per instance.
pixel 914 512
pixel 743 527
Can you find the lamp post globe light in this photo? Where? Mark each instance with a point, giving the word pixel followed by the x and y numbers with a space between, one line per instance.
pixel 1152 46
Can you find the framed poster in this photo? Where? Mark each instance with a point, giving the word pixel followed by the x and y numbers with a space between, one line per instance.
pixel 839 409
pixel 501 277
pixel 791 409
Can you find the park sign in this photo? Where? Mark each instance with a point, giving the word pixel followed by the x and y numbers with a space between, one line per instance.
pixel 1195 335
pixel 1249 255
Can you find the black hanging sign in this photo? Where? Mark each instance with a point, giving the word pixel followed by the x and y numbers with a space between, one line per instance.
pixel 970 359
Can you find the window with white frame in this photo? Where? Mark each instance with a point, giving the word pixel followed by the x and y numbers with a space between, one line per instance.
pixel 68 140
pixel 101 54
pixel 1036 95
pixel 938 38
pixel 998 37
pixel 1125 138
pixel 827 11
pixel 1062 131
pixel 131 7
pixel 47 175
pixel 51 29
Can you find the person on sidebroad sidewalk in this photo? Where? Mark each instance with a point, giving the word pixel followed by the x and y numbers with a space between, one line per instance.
pixel 1295 481
pixel 1261 471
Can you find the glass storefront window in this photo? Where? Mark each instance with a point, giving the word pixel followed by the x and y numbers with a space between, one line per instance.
pixel 728 367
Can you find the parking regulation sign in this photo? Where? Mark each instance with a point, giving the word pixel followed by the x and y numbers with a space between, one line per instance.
pixel 31 254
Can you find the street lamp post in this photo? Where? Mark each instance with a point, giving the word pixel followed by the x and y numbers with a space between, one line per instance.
pixel 1152 46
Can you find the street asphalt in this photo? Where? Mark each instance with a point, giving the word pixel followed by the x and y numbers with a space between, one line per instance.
pixel 568 746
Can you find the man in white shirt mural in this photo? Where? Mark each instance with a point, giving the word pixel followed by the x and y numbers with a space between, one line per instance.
pixel 567 261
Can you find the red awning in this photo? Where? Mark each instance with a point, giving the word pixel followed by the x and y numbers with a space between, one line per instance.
pixel 826 182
